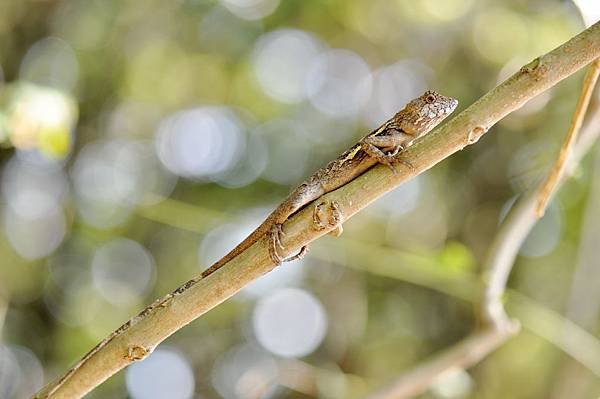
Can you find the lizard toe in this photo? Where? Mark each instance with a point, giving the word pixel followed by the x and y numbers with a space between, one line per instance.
pixel 406 163
pixel 303 251
pixel 392 167
pixel 275 257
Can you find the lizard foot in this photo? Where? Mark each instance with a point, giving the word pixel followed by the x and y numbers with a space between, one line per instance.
pixel 334 218
pixel 405 163
pixel 275 236
pixel 299 255
pixel 390 164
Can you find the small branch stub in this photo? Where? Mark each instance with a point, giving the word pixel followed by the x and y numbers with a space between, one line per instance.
pixel 137 352
pixel 537 69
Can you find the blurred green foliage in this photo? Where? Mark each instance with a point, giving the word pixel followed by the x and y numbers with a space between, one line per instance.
pixel 142 140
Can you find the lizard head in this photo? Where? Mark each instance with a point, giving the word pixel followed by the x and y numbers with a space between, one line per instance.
pixel 424 112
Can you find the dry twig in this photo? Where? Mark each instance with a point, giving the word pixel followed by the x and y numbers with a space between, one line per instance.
pixel 558 169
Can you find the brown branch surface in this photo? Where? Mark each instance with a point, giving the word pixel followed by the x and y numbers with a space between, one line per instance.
pixel 143 333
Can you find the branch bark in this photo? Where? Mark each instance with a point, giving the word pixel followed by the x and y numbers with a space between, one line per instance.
pixel 138 337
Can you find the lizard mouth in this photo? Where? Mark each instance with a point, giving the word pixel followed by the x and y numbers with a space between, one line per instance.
pixel 452 106
pixel 449 109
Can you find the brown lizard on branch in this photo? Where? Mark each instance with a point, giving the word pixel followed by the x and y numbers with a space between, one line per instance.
pixel 382 145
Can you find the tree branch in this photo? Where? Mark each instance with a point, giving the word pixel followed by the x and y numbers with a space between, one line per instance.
pixel 138 337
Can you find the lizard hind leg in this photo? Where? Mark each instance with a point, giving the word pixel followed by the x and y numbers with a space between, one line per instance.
pixel 275 238
pixel 275 241
pixel 302 195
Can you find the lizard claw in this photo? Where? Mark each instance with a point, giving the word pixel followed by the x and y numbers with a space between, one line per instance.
pixel 299 255
pixel 390 165
pixel 275 237
pixel 406 163
pixel 277 234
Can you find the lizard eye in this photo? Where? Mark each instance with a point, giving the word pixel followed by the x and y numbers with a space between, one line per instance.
pixel 430 99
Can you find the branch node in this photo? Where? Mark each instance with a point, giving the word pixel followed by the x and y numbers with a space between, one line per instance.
pixel 536 68
pixel 137 352
pixel 475 134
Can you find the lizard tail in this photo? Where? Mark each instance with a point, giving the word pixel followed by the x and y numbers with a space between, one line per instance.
pixel 241 247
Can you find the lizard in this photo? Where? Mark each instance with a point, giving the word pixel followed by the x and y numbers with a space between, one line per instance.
pixel 382 146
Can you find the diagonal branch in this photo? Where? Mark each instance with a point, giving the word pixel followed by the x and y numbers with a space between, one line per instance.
pixel 138 337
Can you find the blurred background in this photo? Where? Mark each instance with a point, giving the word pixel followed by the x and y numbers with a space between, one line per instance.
pixel 140 141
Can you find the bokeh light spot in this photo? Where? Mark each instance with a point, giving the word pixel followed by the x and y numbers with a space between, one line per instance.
pixel 281 61
pixel 33 190
pixel 112 176
pixel 454 383
pixel 339 83
pixel 545 235
pixel 400 201
pixel 122 271
pixel 499 35
pixel 244 372
pixel 290 323
pixel 51 62
pixel 21 373
pixel 35 238
pixel 446 10
pixel 164 374
pixel 590 10
pixel 251 9
pixel 41 118
pixel 201 143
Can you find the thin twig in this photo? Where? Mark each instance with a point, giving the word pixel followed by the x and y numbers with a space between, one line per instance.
pixel 463 354
pixel 137 338
pixel 517 225
pixel 560 331
pixel 558 169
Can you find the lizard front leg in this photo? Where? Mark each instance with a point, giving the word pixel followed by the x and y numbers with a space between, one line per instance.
pixel 397 141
